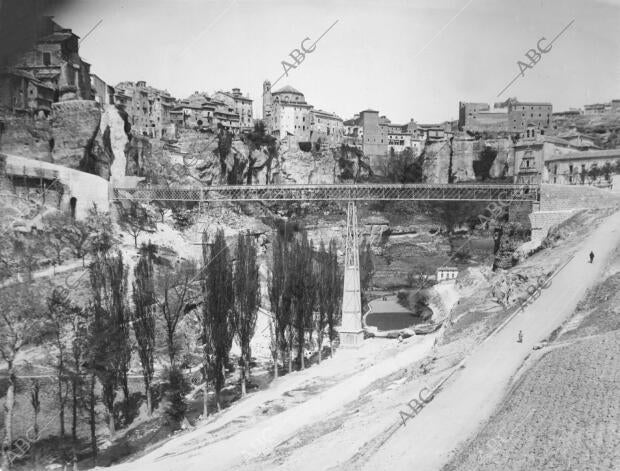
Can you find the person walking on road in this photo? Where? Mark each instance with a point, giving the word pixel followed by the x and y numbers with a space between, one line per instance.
pixel 520 337
pixel 591 257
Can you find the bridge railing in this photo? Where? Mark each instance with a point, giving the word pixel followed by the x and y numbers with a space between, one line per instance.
pixel 353 192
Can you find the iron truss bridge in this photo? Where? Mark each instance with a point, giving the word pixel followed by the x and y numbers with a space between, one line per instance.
pixel 343 192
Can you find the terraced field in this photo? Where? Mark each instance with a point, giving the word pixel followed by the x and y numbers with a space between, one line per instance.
pixel 563 415
pixel 564 411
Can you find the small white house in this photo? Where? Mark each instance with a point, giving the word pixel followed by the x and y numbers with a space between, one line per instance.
pixel 446 273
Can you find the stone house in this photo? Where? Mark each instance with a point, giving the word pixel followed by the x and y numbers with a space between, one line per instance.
pixel 241 105
pixel 328 127
pixel 21 92
pixel 148 108
pixel 102 92
pixel 55 60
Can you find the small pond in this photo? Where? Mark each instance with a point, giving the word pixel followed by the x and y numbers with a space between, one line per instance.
pixel 388 315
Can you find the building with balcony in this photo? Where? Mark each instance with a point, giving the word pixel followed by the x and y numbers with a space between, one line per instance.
pixel 51 69
pixel 149 109
pixel 574 168
pixel 21 92
pixel 241 105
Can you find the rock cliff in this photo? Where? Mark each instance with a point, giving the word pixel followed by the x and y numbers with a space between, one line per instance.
pixel 78 134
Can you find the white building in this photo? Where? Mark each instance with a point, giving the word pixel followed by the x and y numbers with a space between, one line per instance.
pixel 446 273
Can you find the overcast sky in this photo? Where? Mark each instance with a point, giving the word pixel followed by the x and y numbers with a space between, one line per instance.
pixel 407 59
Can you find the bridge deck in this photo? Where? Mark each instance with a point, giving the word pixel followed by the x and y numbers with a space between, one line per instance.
pixel 351 192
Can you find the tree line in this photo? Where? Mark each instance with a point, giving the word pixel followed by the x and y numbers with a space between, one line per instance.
pixel 136 313
pixel 305 291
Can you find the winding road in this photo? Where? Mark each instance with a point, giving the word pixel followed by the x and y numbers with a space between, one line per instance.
pixel 470 397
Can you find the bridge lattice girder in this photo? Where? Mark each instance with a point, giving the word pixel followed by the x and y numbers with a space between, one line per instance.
pixel 344 192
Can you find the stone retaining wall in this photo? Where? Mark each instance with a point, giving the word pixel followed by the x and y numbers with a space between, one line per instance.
pixel 559 202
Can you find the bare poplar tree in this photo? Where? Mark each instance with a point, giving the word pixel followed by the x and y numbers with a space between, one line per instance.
pixel 277 284
pixel 174 293
pixel 247 300
pixel 58 316
pixel 334 293
pixel 21 321
pixel 219 304
pixel 110 329
pixel 322 276
pixel 143 320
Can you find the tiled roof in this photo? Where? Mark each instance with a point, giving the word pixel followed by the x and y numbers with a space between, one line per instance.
pixel 591 154
pixel 328 114
pixel 57 37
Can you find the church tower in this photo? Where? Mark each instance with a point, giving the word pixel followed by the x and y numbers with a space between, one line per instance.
pixel 267 105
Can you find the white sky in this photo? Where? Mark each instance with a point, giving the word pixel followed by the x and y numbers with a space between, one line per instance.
pixel 408 59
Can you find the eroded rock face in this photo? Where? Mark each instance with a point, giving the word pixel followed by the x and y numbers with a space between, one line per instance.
pixel 26 136
pixel 113 126
pixel 296 166
pixel 503 166
pixel 75 126
pixel 463 155
pixel 436 162
pixel 78 134
pixel 137 152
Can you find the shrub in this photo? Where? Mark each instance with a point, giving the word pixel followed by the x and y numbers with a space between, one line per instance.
pixel 175 388
pixel 183 218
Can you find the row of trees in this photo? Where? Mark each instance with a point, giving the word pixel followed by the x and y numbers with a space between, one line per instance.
pixel 595 172
pixel 61 237
pixel 305 294
pixel 120 313
pixel 92 340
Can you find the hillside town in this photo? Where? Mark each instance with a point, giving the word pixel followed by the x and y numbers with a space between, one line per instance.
pixel 546 146
pixel 214 279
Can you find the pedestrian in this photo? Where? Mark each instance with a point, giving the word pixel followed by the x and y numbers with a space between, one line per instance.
pixel 520 337
pixel 591 257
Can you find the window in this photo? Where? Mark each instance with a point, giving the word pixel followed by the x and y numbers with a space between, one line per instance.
pixel 47 58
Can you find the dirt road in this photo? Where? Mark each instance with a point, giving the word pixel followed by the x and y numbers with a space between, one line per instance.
pixel 471 396
pixel 204 449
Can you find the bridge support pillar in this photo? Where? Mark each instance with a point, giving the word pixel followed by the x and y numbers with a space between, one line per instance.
pixel 351 332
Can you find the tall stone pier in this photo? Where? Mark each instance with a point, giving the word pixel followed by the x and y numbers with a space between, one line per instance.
pixel 351 332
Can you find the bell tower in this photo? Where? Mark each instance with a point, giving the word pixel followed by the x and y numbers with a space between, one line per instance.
pixel 267 105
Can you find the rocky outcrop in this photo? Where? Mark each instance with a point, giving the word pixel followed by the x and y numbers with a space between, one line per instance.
pixel 464 152
pixel 297 166
pixel 75 127
pixel 26 136
pixel 113 126
pixel 138 153
pixel 77 135
pixel 503 165
pixel 436 161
